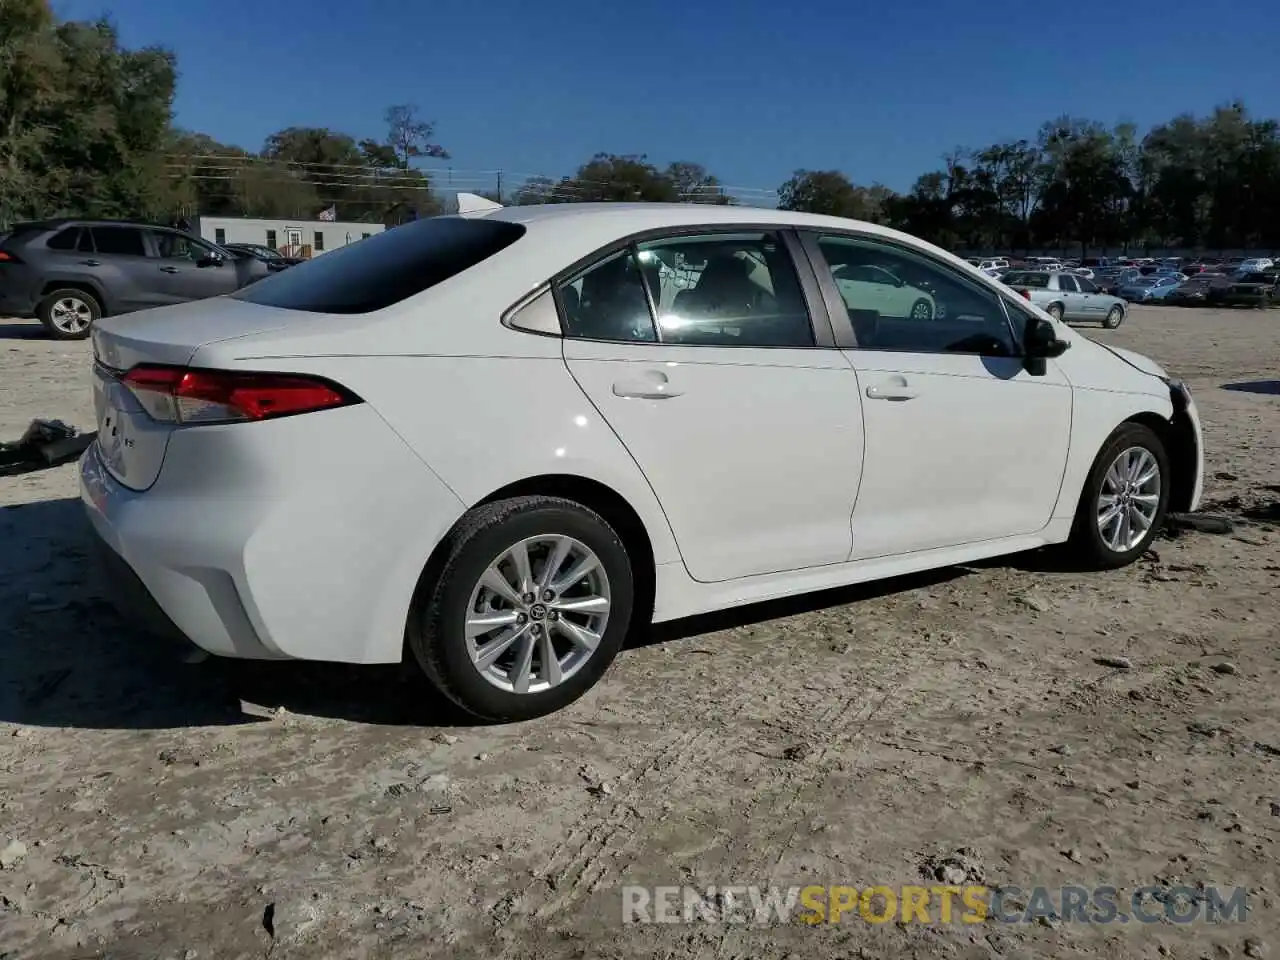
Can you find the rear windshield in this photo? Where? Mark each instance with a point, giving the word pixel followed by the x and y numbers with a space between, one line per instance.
pixel 1027 279
pixel 384 269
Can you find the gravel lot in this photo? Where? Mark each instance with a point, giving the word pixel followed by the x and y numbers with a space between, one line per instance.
pixel 230 810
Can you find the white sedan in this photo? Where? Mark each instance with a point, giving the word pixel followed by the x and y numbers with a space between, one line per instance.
pixel 499 442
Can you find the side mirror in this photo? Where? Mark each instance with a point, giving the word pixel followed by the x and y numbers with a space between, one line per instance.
pixel 1040 340
pixel 212 260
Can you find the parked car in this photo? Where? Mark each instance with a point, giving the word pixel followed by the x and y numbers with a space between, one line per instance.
pixel 500 444
pixel 274 259
pixel 881 290
pixel 1145 289
pixel 1195 291
pixel 1249 289
pixel 1065 296
pixel 1109 279
pixel 1256 264
pixel 70 273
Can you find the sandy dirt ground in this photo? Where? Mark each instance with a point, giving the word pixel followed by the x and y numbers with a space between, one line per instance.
pixel 955 725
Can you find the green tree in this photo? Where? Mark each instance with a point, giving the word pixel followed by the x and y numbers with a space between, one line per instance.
pixel 84 122
pixel 693 184
pixel 613 177
pixel 831 192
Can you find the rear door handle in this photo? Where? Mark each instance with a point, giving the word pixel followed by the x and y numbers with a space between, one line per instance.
pixel 170 270
pixel 892 390
pixel 653 385
pixel 91 263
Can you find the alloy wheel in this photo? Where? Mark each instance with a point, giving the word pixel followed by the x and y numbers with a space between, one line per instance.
pixel 1128 499
pixel 537 614
pixel 71 315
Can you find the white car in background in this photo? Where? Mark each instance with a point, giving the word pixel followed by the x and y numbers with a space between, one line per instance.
pixel 879 289
pixel 499 443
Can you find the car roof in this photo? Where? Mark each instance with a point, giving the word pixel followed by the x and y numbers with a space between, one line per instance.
pixel 634 217
pixel 56 223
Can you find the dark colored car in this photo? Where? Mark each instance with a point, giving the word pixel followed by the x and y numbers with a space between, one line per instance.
pixel 1249 290
pixel 274 259
pixel 1197 290
pixel 1113 279
pixel 68 273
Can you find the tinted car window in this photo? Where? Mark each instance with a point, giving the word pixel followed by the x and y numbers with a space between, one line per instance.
pixel 728 290
pixel 607 301
pixel 927 308
pixel 122 241
pixel 64 239
pixel 385 269
pixel 1067 284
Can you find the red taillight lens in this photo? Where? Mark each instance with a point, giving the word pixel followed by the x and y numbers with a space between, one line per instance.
pixel 178 395
pixel 1026 294
pixel 7 257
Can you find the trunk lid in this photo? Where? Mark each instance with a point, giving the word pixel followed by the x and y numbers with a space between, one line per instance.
pixel 131 444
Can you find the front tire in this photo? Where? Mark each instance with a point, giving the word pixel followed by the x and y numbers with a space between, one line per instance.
pixel 69 314
pixel 531 605
pixel 1124 499
pixel 922 309
pixel 1055 311
pixel 1114 317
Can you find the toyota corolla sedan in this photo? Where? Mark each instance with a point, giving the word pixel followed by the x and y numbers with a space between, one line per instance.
pixel 498 443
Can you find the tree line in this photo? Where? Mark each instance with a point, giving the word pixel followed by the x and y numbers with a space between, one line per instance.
pixel 86 129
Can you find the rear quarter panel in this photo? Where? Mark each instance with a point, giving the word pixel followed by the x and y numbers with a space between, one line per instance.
pixel 482 423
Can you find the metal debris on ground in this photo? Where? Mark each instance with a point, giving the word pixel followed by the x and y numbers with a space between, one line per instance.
pixel 45 443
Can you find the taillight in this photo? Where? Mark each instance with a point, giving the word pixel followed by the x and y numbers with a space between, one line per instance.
pixel 1025 294
pixel 7 257
pixel 180 395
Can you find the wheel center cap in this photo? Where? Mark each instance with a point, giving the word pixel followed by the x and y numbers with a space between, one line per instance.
pixel 538 612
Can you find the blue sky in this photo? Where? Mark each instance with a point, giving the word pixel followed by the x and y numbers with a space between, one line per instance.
pixel 752 89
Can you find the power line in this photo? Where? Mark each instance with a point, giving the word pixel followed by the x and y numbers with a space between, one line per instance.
pixel 338 174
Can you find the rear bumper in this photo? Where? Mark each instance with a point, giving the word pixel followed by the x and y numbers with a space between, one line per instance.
pixel 131 597
pixel 301 538
pixel 16 303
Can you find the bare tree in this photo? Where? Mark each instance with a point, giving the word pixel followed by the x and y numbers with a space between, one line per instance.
pixel 410 137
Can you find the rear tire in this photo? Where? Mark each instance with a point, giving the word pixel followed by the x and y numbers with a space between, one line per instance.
pixel 1100 545
pixel 1114 317
pixel 492 541
pixel 69 314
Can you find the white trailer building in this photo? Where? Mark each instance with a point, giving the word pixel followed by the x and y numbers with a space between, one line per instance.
pixel 294 238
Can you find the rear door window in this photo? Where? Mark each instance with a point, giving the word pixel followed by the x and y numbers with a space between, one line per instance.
pixel 119 241
pixel 385 269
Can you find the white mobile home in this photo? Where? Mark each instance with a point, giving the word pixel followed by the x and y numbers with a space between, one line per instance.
pixel 295 238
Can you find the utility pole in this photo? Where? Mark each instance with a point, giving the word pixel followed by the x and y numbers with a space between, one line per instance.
pixel 499 186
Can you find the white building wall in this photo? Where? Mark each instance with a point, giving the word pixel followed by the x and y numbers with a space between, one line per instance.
pixel 331 234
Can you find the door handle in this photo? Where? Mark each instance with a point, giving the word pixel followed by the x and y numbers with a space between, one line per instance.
pixel 91 263
pixel 895 389
pixel 170 270
pixel 653 385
